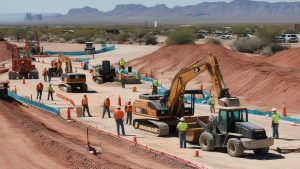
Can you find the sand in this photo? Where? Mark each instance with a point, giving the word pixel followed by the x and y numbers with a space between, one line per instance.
pixel 255 81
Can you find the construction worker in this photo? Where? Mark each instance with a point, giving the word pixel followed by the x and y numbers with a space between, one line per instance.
pixel 49 76
pixel 106 105
pixel 39 90
pixel 45 74
pixel 212 103
pixel 85 105
pixel 123 77
pixel 138 76
pixel 50 92
pixel 275 123
pixel 154 86
pixel 119 117
pixel 128 108
pixel 122 63
pixel 182 128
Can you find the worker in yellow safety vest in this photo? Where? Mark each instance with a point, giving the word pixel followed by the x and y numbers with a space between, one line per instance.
pixel 182 128
pixel 212 103
pixel 122 63
pixel 275 123
pixel 154 86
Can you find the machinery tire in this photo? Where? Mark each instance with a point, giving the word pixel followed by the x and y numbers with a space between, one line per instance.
pixel 206 141
pixel 235 147
pixel 84 87
pixel 99 80
pixel 261 150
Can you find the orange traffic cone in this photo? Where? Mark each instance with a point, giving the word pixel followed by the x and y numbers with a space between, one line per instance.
pixel 196 154
pixel 283 110
pixel 146 75
pixel 24 80
pixel 119 100
pixel 31 97
pixel 15 89
pixel 134 139
pixel 68 114
pixel 201 86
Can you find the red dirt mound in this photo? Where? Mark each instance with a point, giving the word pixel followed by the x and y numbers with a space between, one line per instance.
pixel 288 58
pixel 250 78
pixel 6 50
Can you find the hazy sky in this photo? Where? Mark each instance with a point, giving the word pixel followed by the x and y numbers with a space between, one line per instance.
pixel 62 6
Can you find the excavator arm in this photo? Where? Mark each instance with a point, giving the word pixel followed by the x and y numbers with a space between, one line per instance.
pixel 175 101
pixel 62 58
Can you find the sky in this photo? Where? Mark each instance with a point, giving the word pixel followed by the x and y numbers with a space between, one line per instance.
pixel 62 6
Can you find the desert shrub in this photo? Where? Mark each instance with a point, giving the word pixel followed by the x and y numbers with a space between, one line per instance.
pixel 80 40
pixel 268 35
pixel 151 40
pixel 182 36
pixel 273 48
pixel 122 37
pixel 251 45
pixel 213 41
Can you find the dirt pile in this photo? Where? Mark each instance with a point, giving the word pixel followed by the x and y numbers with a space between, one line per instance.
pixel 6 51
pixel 250 78
pixel 288 58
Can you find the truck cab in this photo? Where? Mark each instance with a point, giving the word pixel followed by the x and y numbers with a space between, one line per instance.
pixel 89 47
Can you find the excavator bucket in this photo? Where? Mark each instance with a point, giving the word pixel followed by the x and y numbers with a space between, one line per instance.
pixel 229 102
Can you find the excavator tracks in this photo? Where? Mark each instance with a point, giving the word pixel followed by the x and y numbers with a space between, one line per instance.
pixel 155 127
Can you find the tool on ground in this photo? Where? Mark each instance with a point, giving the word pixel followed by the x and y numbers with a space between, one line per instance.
pixel 91 149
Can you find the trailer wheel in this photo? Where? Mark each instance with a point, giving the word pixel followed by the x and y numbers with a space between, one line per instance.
pixel 206 141
pixel 261 150
pixel 235 147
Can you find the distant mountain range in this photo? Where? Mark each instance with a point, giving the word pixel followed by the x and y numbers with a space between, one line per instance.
pixel 236 11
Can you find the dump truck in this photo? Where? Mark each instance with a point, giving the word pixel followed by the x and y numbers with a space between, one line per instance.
pixel 160 114
pixel 89 47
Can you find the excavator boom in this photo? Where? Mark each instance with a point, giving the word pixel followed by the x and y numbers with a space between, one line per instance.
pixel 175 102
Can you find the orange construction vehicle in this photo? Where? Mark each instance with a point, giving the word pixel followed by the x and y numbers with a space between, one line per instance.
pixel 22 66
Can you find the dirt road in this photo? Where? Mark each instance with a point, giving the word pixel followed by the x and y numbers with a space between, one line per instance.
pixel 33 139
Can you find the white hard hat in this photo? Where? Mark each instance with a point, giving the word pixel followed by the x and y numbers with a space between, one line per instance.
pixel 182 119
pixel 129 100
pixel 118 107
pixel 107 97
pixel 274 109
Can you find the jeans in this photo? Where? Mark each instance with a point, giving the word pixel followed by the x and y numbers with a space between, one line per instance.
pixel 275 130
pixel 45 78
pixel 129 118
pixel 123 80
pixel 154 90
pixel 39 94
pixel 182 139
pixel 120 123
pixel 49 78
pixel 50 94
pixel 86 107
pixel 106 109
pixel 212 108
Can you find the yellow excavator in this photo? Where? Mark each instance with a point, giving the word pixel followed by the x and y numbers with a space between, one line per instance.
pixel 56 65
pixel 159 114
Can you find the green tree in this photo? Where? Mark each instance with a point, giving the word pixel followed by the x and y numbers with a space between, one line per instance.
pixel 182 36
pixel 239 30
pixel 268 35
